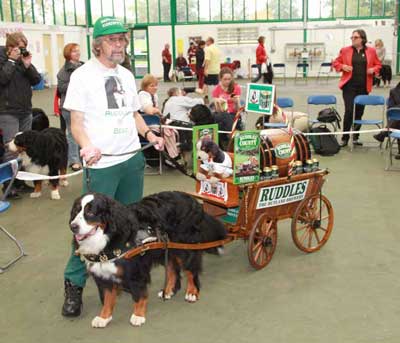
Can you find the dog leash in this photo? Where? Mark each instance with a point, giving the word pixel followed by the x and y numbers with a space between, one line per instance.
pixel 87 174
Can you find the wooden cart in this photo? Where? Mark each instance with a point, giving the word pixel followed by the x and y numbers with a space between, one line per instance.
pixel 252 211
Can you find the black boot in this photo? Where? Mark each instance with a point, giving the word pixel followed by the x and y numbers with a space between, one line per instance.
pixel 72 306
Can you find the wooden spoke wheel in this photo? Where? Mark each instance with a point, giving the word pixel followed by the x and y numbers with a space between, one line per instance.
pixel 312 223
pixel 262 242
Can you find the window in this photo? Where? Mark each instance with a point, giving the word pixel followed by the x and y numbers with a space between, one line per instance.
pixel 6 10
pixel 352 8
pixel 108 9
pixel 261 10
pixel 130 12
pixel 70 12
pixel 250 10
pixel 80 12
pixel 238 10
pixel 273 9
pixel 339 10
pixel 215 10
pixel 153 11
pixel 142 11
pixel 227 10
pixel 119 9
pixel 38 12
pixel 96 7
pixel 364 8
pixel 284 12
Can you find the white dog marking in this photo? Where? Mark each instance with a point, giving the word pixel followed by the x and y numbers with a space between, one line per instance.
pixel 167 296
pixel 137 320
pixel 55 194
pixel 36 195
pixel 105 270
pixel 99 322
pixel 190 297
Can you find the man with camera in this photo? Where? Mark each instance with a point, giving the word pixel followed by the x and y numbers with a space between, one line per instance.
pixel 17 76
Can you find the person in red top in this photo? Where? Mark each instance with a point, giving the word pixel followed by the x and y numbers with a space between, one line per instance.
pixel 227 93
pixel 358 64
pixel 166 61
pixel 261 57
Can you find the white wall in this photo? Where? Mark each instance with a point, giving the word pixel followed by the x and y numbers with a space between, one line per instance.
pixel 158 36
pixel 34 34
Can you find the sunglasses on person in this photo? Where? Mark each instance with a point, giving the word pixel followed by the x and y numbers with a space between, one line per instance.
pixel 355 37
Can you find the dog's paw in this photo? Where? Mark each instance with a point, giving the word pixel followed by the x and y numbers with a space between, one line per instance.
pixel 55 195
pixel 36 194
pixel 167 296
pixel 191 298
pixel 64 183
pixel 137 320
pixel 99 322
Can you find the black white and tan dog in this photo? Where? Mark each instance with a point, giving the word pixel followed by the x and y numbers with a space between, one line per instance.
pixel 104 230
pixel 45 153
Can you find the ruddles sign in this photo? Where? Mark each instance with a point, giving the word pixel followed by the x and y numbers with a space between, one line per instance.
pixel 282 194
pixel 260 98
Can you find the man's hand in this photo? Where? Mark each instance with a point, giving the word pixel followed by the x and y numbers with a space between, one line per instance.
pixel 91 155
pixel 27 61
pixel 371 71
pixel 152 138
pixel 14 53
pixel 347 68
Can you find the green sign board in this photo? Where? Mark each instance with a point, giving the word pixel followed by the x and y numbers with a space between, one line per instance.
pixel 199 132
pixel 260 98
pixel 247 157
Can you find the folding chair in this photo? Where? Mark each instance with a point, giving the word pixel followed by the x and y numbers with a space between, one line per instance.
pixel 302 71
pixel 8 172
pixel 153 157
pixel 321 100
pixel 188 75
pixel 367 100
pixel 392 114
pixel 325 69
pixel 280 71
pixel 282 103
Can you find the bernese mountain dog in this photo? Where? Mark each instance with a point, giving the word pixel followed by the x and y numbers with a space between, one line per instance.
pixel 104 230
pixel 43 152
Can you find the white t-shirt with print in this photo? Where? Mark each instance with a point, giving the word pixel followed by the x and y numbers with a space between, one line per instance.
pixel 108 99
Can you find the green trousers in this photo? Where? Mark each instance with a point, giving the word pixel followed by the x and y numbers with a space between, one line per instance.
pixel 124 183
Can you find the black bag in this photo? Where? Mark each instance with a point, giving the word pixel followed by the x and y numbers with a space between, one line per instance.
pixel 325 145
pixel 329 115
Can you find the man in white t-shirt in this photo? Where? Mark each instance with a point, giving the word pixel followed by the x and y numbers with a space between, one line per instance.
pixel 103 101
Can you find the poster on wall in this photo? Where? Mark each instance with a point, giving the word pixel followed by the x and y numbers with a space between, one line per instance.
pixel 260 98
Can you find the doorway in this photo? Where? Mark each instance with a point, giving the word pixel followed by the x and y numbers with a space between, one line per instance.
pixel 140 52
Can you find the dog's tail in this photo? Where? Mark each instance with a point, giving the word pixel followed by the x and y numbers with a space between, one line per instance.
pixel 212 229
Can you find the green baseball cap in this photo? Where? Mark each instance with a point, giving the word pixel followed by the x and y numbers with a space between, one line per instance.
pixel 107 26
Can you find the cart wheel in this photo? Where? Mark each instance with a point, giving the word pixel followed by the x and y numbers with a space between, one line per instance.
pixel 312 223
pixel 262 242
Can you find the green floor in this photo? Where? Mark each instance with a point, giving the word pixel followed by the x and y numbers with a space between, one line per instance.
pixel 347 292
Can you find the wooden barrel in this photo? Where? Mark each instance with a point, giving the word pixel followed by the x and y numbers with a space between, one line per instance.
pixel 275 148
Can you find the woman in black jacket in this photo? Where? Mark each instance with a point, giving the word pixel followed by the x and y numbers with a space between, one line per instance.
pixel 17 76
pixel 72 55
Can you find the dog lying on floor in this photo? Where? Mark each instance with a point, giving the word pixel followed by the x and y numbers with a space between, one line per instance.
pixel 104 229
pixel 44 152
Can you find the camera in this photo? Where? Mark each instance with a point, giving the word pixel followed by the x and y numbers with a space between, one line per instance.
pixel 24 52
